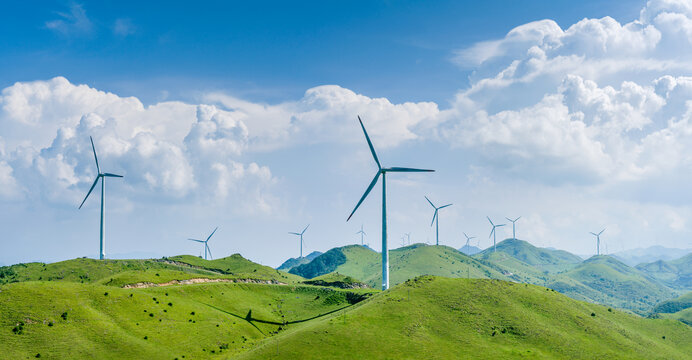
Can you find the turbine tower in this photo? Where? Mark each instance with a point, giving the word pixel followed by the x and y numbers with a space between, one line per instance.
pixel 206 243
pixel 381 171
pixel 101 176
pixel 598 241
pixel 493 232
pixel 301 238
pixel 468 238
pixel 408 237
pixel 435 220
pixel 362 234
pixel 514 230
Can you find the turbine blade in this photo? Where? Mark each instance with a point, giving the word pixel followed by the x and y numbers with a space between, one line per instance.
pixel 372 184
pixel 112 175
pixel 208 249
pixel 491 222
pixel 212 233
pixel 466 236
pixel 302 232
pixel 93 148
pixel 294 233
pixel 491 232
pixel 500 225
pixel 431 204
pixel 196 240
pixel 401 169
pixel 508 219
pixel 601 232
pixel 433 219
pixel 444 206
pixel 472 237
pixel 372 149
pixel 517 218
pixel 592 233
pixel 90 190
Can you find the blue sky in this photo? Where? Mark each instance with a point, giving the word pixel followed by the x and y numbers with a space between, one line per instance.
pixel 242 115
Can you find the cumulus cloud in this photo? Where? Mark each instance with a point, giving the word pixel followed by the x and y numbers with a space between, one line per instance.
pixel 600 98
pixel 174 151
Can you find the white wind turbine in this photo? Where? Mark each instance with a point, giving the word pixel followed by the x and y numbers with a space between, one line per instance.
pixel 493 232
pixel 206 243
pixel 301 238
pixel 468 239
pixel 100 176
pixel 383 172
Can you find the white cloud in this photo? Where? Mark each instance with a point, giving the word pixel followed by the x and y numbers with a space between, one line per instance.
pixel 75 22
pixel 599 102
pixel 123 27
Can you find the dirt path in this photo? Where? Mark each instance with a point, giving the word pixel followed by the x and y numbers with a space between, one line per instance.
pixel 141 285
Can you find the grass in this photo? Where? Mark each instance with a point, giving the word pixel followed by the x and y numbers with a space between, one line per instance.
pixel 442 318
pixel 676 273
pixel 74 320
pixel 679 308
pixel 405 263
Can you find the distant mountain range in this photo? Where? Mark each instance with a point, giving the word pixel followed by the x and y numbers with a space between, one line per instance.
pixel 676 274
pixel 470 250
pixel 638 256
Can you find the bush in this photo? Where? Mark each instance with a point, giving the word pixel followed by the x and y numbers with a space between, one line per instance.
pixel 64 315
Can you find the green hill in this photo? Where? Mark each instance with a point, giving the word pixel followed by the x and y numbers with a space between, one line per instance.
pixel 679 308
pixel 404 263
pixel 293 262
pixel 676 274
pixel 441 318
pixel 67 320
pixel 121 272
pixel 606 280
pixel 545 260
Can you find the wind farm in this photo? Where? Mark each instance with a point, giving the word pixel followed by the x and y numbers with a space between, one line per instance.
pixel 248 127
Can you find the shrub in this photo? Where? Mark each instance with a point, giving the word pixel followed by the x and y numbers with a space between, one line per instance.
pixel 64 315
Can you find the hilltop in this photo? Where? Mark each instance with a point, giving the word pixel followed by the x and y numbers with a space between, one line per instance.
pixel 293 262
pixel 544 259
pixel 405 263
pixel 676 273
pixel 121 272
pixel 606 280
pixel 442 318
pixel 470 250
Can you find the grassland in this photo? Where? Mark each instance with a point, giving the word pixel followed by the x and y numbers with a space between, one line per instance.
pixel 442 318
pixel 67 320
pixel 405 263
pixel 676 274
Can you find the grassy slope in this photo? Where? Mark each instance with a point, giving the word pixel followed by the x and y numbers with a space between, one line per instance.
pixel 679 308
pixel 543 259
pixel 604 279
pixel 675 273
pixel 238 266
pixel 438 318
pixel 404 263
pixel 113 326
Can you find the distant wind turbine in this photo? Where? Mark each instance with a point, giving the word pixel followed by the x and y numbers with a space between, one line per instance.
pixel 408 237
pixel 598 241
pixel 436 219
pixel 301 238
pixel 514 231
pixel 468 239
pixel 206 243
pixel 102 177
pixel 493 232
pixel 403 240
pixel 381 171
pixel 362 234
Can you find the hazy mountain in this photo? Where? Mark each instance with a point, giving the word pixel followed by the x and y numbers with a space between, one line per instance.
pixel 293 262
pixel 470 250
pixel 647 255
pixel 674 273
pixel 541 258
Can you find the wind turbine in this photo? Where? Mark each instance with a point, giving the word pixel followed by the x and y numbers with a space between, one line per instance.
pixel 403 240
pixel 408 237
pixel 102 177
pixel 436 219
pixel 205 242
pixel 493 232
pixel 514 232
pixel 381 171
pixel 468 238
pixel 362 234
pixel 598 241
pixel 301 238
